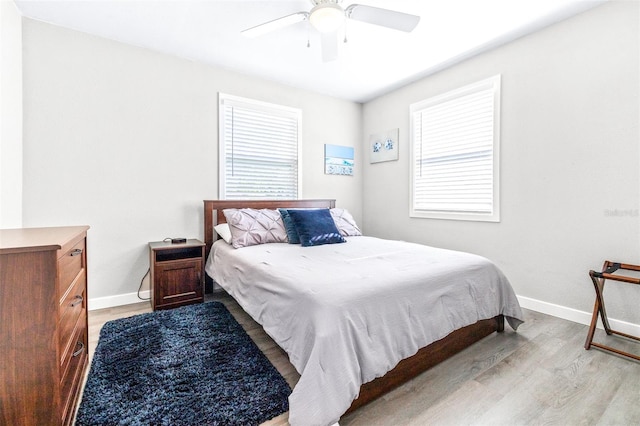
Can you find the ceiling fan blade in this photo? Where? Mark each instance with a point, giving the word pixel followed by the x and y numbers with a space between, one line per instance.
pixel 329 44
pixel 276 24
pixel 383 17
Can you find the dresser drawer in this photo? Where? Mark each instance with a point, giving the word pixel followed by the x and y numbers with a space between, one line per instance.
pixel 72 307
pixel 72 369
pixel 69 266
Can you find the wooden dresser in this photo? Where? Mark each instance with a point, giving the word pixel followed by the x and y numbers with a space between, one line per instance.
pixel 43 324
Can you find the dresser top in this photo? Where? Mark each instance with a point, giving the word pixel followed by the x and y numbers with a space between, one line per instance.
pixel 37 239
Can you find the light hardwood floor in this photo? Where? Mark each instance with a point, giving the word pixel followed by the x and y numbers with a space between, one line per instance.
pixel 539 375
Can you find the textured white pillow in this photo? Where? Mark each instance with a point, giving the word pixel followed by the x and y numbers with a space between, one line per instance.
pixel 224 232
pixel 251 227
pixel 345 223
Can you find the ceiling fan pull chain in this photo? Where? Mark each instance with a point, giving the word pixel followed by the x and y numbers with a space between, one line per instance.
pixel 308 26
pixel 346 25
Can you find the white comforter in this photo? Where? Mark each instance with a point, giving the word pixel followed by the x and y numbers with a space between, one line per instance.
pixel 348 313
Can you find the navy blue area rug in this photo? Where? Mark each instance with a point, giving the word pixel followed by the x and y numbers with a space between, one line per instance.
pixel 193 365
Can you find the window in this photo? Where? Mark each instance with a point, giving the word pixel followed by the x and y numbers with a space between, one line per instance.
pixel 455 154
pixel 259 149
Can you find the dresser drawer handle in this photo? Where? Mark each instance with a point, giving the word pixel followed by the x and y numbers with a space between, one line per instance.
pixel 76 252
pixel 79 351
pixel 76 301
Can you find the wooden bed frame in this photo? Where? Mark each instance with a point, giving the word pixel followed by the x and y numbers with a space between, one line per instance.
pixel 406 369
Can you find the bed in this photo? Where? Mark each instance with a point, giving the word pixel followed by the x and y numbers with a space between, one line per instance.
pixel 355 329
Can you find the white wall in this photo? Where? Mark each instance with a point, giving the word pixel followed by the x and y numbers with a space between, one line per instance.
pixel 125 140
pixel 10 116
pixel 569 168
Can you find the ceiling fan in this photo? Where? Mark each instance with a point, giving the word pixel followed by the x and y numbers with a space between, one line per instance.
pixel 328 17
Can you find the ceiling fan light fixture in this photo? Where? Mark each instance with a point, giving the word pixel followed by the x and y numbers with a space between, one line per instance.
pixel 326 17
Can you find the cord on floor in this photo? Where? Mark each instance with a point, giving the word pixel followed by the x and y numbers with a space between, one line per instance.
pixel 140 288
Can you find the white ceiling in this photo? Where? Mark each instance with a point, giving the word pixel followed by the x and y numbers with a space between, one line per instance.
pixel 374 61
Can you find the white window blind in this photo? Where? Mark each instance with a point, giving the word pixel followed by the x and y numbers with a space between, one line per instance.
pixel 454 154
pixel 259 149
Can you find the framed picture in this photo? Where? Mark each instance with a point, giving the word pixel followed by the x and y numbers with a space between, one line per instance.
pixel 338 160
pixel 383 146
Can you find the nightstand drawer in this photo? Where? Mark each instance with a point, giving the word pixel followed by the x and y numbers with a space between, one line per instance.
pixel 70 265
pixel 178 281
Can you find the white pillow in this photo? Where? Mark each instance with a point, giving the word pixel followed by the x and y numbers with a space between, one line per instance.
pixel 224 232
pixel 345 223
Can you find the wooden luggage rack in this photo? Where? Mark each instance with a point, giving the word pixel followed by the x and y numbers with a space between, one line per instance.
pixel 598 278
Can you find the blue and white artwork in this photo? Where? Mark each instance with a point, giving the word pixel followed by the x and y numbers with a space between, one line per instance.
pixel 338 160
pixel 384 146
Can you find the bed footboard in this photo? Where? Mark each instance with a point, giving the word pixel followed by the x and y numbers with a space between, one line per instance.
pixel 426 358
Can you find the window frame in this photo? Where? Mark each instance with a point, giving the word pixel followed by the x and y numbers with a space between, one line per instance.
pixel 275 109
pixel 494 84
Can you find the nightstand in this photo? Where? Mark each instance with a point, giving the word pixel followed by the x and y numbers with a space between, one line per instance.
pixel 177 273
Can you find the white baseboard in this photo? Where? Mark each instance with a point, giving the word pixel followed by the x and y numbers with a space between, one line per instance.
pixel 581 317
pixel 117 300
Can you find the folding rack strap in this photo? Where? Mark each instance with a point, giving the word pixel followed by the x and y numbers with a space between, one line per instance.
pixel 598 278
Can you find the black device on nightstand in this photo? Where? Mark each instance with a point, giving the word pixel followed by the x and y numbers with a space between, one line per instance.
pixel 177 273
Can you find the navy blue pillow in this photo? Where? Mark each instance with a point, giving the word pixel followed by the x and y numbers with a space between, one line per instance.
pixel 289 227
pixel 315 227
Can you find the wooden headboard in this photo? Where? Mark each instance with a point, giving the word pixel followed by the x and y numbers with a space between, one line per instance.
pixel 213 212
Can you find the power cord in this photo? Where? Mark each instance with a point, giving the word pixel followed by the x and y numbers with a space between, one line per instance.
pixel 147 273
pixel 141 281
